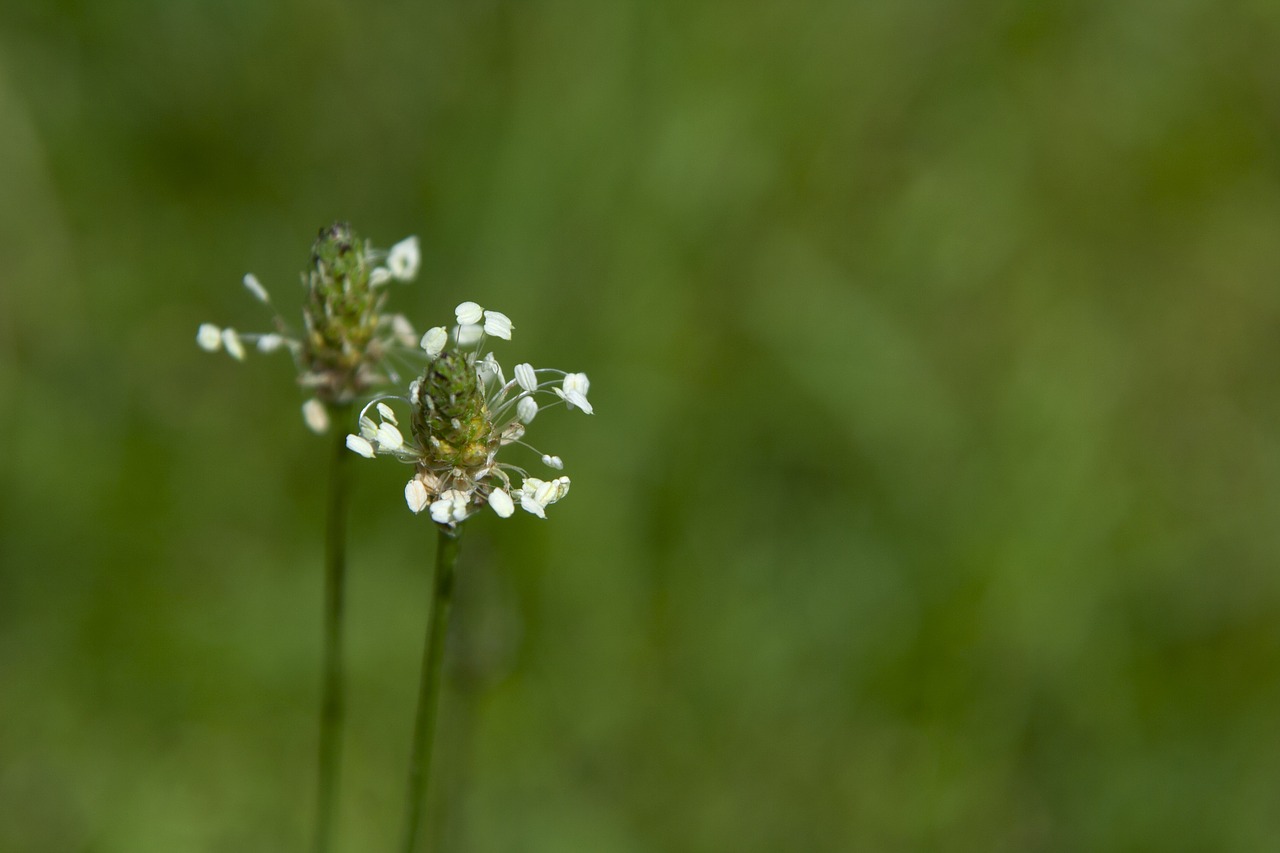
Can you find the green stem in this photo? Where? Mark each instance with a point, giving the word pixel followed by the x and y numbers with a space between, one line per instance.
pixel 429 686
pixel 331 699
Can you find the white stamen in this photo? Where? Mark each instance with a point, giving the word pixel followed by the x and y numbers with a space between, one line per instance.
pixel 469 335
pixel 416 495
pixel 573 398
pixel 403 330
pixel 316 416
pixel 404 258
pixel 360 445
pixel 389 438
pixel 498 325
pixel 387 413
pixel 231 341
pixel 468 313
pixel 255 287
pixel 525 377
pixel 209 337
pixel 527 409
pixel 501 503
pixel 434 340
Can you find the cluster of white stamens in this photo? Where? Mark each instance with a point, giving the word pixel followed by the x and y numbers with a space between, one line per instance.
pixel 452 482
pixel 394 333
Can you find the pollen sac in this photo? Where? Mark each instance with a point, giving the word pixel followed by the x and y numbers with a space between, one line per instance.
pixel 450 418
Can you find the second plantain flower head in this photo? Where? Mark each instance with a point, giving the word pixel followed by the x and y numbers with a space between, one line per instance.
pixel 461 412
pixel 345 347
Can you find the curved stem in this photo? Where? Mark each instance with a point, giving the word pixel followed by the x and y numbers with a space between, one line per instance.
pixel 429 686
pixel 331 698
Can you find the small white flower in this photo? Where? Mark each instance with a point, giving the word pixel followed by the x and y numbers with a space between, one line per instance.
pixel 527 409
pixel 360 445
pixel 498 325
pixel 404 258
pixel 416 495
pixel 209 337
pixel 269 342
pixel 231 341
pixel 379 276
pixel 316 416
pixel 553 462
pixel 389 438
pixel 468 313
pixel 255 287
pixel 434 340
pixel 525 377
pixel 468 335
pixel 387 413
pixel 576 382
pixel 501 503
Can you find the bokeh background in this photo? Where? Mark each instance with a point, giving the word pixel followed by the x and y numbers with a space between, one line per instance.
pixel 931 500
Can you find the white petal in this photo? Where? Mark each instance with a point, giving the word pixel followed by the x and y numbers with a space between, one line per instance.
pixel 468 313
pixel 368 428
pixel 387 413
pixel 269 342
pixel 379 276
pixel 501 503
pixel 525 377
pixel 404 258
pixel 209 337
pixel 360 445
pixel 527 409
pixel 553 462
pixel 255 287
pixel 498 325
pixel 231 341
pixel 577 382
pixel 389 438
pixel 435 339
pixel 316 416
pixel 468 335
pixel 416 495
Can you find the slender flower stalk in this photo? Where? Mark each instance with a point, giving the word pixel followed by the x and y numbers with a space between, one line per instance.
pixel 447 546
pixel 332 701
pixel 462 413
pixel 348 348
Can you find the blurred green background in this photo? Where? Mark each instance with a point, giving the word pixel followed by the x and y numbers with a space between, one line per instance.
pixel 931 498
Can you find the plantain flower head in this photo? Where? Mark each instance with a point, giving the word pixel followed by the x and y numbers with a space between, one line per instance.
pixel 348 342
pixel 461 414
